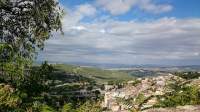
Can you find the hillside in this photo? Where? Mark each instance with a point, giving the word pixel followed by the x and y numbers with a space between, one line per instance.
pixel 99 75
pixel 155 93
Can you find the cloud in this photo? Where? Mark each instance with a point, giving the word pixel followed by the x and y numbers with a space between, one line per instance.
pixel 147 5
pixel 165 40
pixel 73 17
pixel 86 10
pixel 117 7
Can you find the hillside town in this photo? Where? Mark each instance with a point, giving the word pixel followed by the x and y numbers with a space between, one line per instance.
pixel 145 89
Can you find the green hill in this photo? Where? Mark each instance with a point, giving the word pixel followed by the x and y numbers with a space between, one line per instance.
pixel 99 75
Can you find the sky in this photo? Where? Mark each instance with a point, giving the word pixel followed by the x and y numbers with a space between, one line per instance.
pixel 132 32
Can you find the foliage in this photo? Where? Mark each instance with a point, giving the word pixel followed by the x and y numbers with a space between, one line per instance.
pixel 26 24
pixel 29 92
pixel 9 100
pixel 37 81
pixel 46 108
pixel 11 71
pixel 40 107
pixel 183 95
pixel 67 108
pixel 6 52
pixel 188 75
pixel 90 106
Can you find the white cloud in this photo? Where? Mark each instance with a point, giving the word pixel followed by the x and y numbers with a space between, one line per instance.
pixel 86 9
pixel 73 17
pixel 129 42
pixel 78 28
pixel 147 5
pixel 117 7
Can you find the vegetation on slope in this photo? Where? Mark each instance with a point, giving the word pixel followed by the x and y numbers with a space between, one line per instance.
pixel 188 75
pixel 99 75
pixel 186 95
pixel 44 91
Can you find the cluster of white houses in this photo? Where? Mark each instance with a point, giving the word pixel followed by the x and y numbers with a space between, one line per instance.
pixel 151 86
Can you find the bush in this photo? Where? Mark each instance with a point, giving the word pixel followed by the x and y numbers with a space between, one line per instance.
pixel 186 95
pixel 9 100
pixel 188 75
pixel 67 108
pixel 90 106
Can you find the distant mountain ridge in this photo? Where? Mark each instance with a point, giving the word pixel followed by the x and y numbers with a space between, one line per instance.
pixel 110 66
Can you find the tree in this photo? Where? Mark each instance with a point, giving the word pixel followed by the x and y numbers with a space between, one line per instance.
pixel 6 55
pixel 38 80
pixel 24 26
